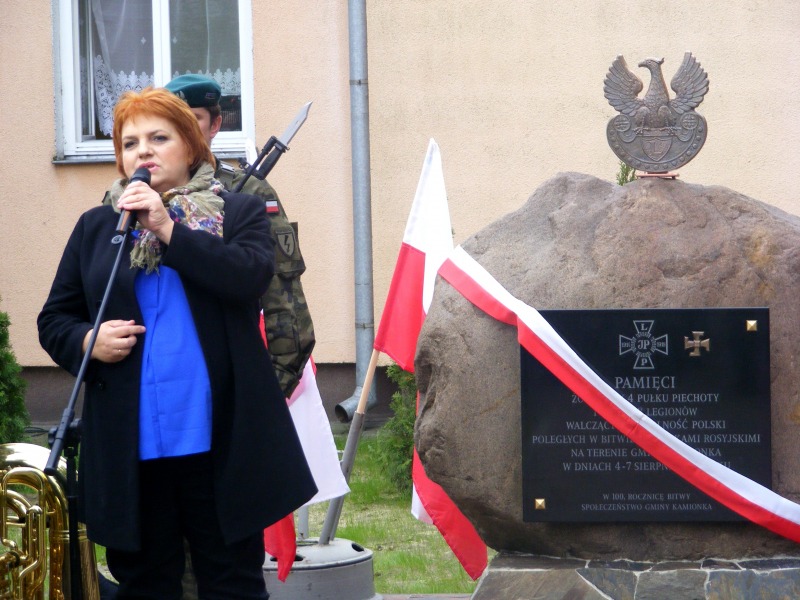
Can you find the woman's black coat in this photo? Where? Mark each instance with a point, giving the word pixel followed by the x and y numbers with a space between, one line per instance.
pixel 260 472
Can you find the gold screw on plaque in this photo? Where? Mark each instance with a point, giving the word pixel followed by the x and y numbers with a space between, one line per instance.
pixel 539 504
pixel 696 343
pixel 751 326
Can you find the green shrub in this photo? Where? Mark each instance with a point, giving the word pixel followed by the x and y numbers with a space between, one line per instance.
pixel 626 173
pixel 395 443
pixel 14 416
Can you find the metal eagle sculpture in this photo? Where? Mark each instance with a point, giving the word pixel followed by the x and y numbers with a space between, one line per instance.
pixel 656 133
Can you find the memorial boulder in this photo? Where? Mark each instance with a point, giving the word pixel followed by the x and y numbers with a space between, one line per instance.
pixel 583 243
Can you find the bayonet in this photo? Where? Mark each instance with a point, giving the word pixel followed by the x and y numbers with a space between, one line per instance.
pixel 274 148
pixel 295 125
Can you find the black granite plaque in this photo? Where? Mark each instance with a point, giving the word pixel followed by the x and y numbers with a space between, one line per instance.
pixel 701 374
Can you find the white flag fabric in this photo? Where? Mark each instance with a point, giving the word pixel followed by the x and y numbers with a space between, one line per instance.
pixel 314 430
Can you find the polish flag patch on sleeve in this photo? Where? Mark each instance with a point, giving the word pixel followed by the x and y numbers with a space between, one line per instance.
pixel 272 207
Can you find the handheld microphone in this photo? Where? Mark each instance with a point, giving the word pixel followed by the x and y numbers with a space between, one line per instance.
pixel 127 219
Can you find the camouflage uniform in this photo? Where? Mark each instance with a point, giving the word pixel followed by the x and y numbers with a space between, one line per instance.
pixel 289 329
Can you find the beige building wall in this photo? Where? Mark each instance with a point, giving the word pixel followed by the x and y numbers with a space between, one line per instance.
pixel 511 91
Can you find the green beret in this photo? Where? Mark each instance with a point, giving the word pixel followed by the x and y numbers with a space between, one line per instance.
pixel 196 90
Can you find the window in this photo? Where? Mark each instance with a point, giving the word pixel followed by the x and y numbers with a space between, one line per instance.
pixel 105 47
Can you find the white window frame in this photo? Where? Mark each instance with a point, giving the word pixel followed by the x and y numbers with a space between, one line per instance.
pixel 69 145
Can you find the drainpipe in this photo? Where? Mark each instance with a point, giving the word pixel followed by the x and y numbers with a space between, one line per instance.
pixel 362 233
pixel 362 210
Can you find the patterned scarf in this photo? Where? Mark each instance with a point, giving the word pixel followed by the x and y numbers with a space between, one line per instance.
pixel 196 204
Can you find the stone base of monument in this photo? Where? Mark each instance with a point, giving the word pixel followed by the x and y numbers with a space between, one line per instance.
pixel 513 576
pixel 336 571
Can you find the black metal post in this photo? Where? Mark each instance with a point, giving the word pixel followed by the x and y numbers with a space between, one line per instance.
pixel 66 437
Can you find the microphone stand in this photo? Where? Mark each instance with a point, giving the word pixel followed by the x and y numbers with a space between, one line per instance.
pixel 66 437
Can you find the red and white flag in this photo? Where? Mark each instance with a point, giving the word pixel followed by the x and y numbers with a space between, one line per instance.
pixel 427 242
pixel 742 495
pixel 316 438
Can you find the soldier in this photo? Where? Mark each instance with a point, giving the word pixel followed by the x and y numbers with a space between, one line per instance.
pixel 287 321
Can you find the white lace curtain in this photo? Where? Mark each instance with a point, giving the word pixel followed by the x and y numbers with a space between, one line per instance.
pixel 203 39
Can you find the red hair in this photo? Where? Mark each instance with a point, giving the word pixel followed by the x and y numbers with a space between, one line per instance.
pixel 160 102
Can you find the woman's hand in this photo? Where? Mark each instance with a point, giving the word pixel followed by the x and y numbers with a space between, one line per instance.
pixel 115 339
pixel 150 210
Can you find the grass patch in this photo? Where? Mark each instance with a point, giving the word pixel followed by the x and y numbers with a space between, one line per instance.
pixel 409 557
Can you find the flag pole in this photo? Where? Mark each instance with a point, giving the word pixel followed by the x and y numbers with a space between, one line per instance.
pixel 348 458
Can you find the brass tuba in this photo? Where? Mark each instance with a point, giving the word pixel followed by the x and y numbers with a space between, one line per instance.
pixel 34 540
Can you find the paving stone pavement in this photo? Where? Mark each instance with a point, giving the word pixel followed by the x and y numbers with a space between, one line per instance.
pixel 425 596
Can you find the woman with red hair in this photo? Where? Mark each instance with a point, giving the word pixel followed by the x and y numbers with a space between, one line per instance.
pixel 185 432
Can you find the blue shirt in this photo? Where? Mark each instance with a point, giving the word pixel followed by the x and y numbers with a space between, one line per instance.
pixel 175 392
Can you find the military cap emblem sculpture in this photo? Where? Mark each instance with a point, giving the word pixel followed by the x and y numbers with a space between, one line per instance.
pixel 656 133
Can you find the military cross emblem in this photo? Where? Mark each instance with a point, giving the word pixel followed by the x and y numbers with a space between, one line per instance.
pixel 696 343
pixel 644 345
